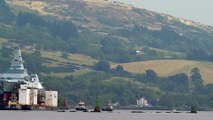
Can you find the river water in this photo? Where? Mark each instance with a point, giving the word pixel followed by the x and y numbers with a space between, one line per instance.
pixel 116 115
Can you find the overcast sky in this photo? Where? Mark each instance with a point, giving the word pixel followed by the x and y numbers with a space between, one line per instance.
pixel 196 10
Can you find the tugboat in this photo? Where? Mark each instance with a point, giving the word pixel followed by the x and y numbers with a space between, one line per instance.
pixel 109 108
pixel 81 107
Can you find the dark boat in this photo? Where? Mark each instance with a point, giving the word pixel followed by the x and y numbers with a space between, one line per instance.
pixel 97 107
pixel 81 107
pixel 193 109
pixel 137 111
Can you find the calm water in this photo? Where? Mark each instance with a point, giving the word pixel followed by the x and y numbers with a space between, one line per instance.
pixel 116 115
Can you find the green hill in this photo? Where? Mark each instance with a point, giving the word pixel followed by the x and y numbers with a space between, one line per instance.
pixel 71 44
pixel 110 30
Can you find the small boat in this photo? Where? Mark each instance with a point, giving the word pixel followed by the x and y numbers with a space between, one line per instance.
pixel 72 110
pixel 62 110
pixel 97 106
pixel 173 110
pixel 109 108
pixel 81 106
pixel 137 111
pixel 193 109
pixel 86 110
pixel 97 109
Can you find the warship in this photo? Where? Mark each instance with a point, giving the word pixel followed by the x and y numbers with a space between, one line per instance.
pixel 19 90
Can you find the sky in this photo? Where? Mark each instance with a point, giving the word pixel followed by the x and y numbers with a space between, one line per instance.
pixel 196 10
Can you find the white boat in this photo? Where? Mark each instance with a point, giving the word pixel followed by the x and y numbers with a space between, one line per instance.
pixel 108 108
pixel 81 106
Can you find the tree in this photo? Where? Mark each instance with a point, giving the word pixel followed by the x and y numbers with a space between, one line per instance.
pixel 180 82
pixel 196 79
pixel 65 55
pixel 102 66
pixel 69 77
pixel 5 13
pixel 34 62
pixel 111 46
pixel 24 18
pixel 150 76
pixel 119 68
pixel 5 58
pixel 64 29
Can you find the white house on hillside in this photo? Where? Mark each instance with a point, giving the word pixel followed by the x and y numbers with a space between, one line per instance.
pixel 142 102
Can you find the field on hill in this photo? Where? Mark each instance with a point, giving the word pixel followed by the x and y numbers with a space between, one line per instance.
pixel 170 67
pixel 78 59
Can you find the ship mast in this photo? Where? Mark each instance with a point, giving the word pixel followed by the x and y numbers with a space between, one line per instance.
pixel 17 62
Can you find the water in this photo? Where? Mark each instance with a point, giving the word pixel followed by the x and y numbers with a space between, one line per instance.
pixel 116 115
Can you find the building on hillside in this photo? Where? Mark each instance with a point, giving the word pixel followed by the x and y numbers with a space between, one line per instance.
pixel 142 102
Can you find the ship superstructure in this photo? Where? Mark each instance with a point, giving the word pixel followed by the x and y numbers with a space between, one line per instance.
pixel 19 89
pixel 16 71
pixel 18 74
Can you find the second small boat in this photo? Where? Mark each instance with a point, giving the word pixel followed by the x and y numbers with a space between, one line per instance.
pixel 81 106
pixel 108 108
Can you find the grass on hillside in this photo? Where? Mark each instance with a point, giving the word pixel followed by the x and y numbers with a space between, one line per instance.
pixel 81 71
pixel 55 60
pixel 132 82
pixel 170 67
pixel 33 5
pixel 72 58
pixel 56 75
pixel 62 75
pixel 168 54
pixel 2 41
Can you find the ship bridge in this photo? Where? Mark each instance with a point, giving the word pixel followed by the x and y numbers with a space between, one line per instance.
pixel 16 71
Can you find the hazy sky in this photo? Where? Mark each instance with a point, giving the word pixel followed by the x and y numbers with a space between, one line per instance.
pixel 196 10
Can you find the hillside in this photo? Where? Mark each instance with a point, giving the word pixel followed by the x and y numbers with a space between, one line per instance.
pixel 71 44
pixel 5 13
pixel 167 68
pixel 127 29
pixel 102 14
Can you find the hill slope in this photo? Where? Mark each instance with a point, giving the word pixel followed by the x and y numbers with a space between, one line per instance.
pixel 132 28
pixel 64 38
pixel 128 29
pixel 170 67
pixel 5 13
pixel 102 14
